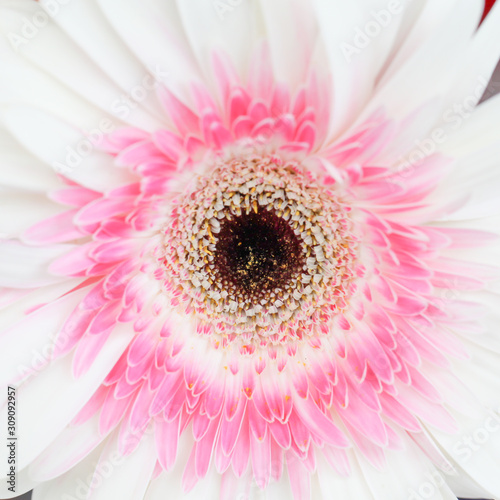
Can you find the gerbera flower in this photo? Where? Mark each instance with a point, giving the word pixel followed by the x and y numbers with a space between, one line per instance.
pixel 250 248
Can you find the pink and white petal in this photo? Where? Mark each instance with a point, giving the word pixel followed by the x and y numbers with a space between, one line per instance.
pixel 299 477
pixel 418 124
pixel 53 386
pixel 57 229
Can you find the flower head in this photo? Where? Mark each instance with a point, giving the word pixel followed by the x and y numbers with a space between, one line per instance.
pixel 273 269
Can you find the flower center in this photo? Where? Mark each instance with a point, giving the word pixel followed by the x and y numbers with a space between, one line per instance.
pixel 257 255
pixel 257 248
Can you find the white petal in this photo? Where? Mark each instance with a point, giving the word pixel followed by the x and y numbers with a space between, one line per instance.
pixel 403 145
pixel 432 69
pixel 171 482
pixel 18 304
pixel 475 450
pixel 489 337
pixel 153 32
pixel 292 31
pixel 31 342
pixel 468 132
pixel 74 484
pixel 20 170
pixel 206 489
pixel 24 483
pixel 478 63
pixel 52 398
pixel 67 450
pixel 208 29
pixel 464 487
pixel 333 486
pixel 158 487
pixel 476 179
pixel 108 51
pixel 490 224
pixel 280 489
pixel 9 296
pixel 22 266
pixel 129 476
pixel 418 21
pixel 21 209
pixel 480 374
pixel 57 55
pixel 354 66
pixel 18 79
pixel 64 148
pixel 409 476
pixel 422 20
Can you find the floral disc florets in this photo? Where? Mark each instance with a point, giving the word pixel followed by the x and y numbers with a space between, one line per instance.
pixel 257 248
